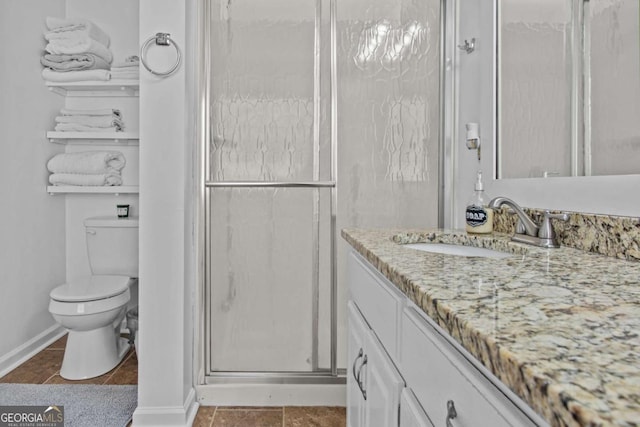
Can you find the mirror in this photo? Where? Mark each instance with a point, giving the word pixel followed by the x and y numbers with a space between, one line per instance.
pixel 568 88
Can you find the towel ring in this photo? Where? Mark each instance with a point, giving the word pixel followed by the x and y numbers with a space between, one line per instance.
pixel 161 39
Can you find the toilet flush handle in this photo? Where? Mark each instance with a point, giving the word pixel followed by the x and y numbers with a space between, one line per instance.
pixel 92 232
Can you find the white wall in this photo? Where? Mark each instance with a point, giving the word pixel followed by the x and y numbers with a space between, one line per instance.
pixel 165 393
pixel 607 195
pixel 32 238
pixel 472 90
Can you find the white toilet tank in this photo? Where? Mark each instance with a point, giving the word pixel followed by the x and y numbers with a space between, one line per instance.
pixel 112 245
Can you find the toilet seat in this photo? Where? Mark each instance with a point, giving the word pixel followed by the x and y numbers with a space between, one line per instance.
pixel 90 295
pixel 91 288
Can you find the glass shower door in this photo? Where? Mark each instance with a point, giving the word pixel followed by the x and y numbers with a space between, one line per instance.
pixel 269 189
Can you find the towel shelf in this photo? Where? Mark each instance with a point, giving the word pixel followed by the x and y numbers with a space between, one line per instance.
pixel 73 189
pixel 96 89
pixel 94 138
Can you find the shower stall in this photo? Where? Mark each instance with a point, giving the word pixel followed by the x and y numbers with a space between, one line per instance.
pixel 318 115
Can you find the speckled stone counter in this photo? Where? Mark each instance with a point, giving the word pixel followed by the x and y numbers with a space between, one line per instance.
pixel 558 326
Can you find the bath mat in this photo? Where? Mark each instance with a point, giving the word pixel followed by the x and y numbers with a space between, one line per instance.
pixel 85 405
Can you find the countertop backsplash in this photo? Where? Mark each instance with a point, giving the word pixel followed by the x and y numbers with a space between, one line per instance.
pixel 615 236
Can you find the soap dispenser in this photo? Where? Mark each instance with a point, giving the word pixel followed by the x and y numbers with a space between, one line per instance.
pixel 478 216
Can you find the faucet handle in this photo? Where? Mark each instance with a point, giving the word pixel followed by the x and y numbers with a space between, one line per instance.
pixel 546 229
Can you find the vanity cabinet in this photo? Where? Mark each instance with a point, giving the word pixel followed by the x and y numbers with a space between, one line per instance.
pixel 405 371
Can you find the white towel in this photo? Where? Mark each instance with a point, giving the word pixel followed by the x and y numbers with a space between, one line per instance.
pixel 87 162
pixel 96 112
pixel 76 127
pixel 77 35
pixel 125 75
pixel 93 121
pixel 94 180
pixel 76 76
pixel 72 27
pixel 130 61
pixel 131 68
pixel 84 61
pixel 78 46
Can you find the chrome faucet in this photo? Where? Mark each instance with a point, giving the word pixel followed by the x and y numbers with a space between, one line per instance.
pixel 527 231
pixel 530 227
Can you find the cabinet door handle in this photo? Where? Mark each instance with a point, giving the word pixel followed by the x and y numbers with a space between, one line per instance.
pixel 360 385
pixel 451 413
pixel 353 368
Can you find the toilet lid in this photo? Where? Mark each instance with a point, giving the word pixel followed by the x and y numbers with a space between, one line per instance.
pixel 91 288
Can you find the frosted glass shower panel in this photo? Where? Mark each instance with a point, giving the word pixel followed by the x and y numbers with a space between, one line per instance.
pixel 534 94
pixel 388 61
pixel 613 53
pixel 266 271
pixel 263 107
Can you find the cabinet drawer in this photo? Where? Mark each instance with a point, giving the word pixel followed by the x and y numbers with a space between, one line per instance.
pixel 411 412
pixel 438 373
pixel 378 301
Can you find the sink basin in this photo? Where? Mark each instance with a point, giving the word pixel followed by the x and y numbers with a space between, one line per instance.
pixel 459 250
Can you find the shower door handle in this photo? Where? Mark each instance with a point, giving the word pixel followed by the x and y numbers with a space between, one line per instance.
pixel 270 184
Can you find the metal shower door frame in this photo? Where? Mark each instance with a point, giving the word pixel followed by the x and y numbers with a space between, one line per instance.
pixel 319 376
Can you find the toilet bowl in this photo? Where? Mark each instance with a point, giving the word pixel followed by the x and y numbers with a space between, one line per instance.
pixel 92 308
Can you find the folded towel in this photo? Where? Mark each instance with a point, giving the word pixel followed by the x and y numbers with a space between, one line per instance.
pixel 87 162
pixel 96 112
pixel 125 75
pixel 131 68
pixel 130 61
pixel 65 24
pixel 134 69
pixel 75 76
pixel 94 180
pixel 78 46
pixel 93 121
pixel 72 27
pixel 85 61
pixel 76 127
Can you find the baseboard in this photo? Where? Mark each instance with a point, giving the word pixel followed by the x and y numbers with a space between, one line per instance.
pixel 192 407
pixel 272 395
pixel 167 416
pixel 16 357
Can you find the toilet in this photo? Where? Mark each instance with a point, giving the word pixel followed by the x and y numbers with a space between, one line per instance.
pixel 92 308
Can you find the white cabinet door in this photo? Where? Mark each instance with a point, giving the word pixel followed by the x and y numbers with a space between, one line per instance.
pixel 358 332
pixel 373 382
pixel 411 413
pixel 382 386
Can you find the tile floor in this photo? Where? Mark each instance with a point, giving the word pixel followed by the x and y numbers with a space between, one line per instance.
pixel 288 416
pixel 44 368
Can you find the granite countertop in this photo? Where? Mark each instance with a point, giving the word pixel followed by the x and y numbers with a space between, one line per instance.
pixel 558 326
